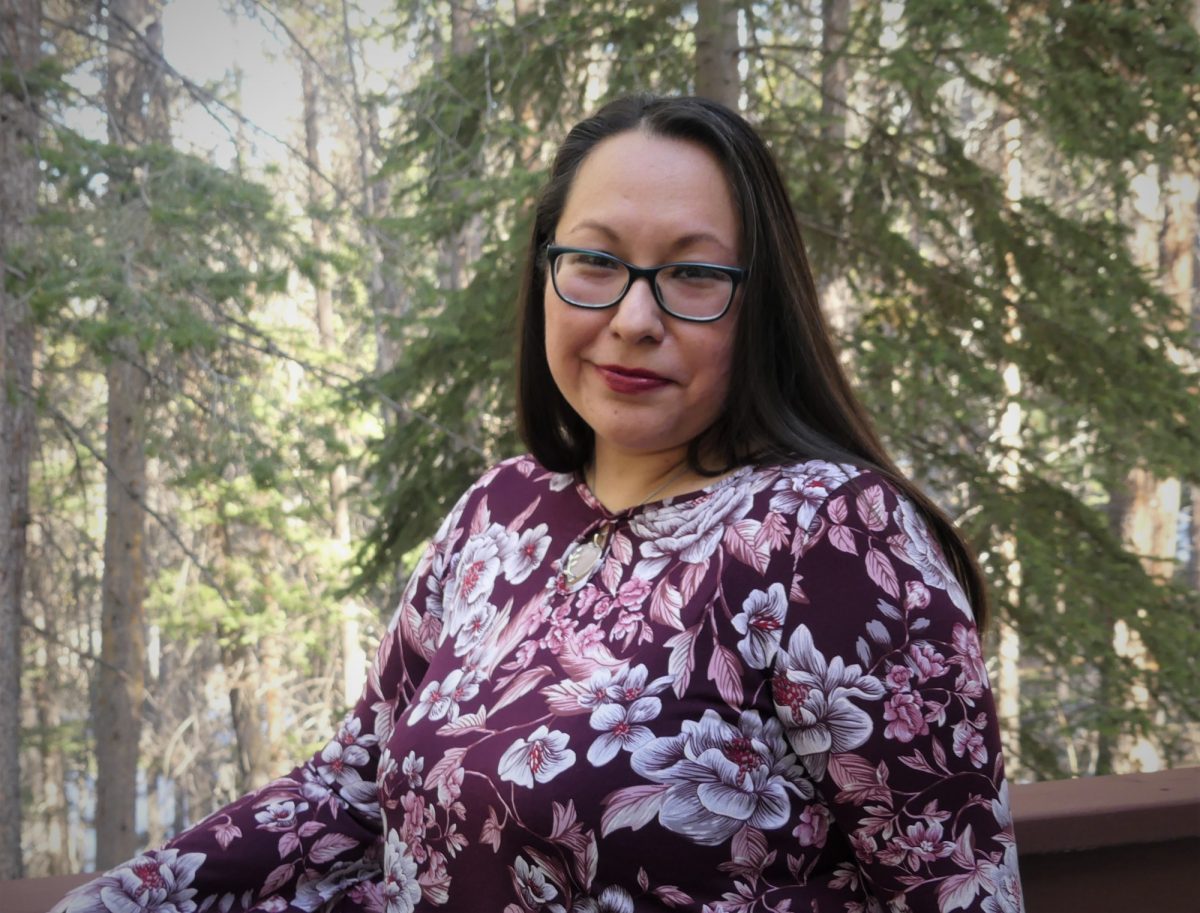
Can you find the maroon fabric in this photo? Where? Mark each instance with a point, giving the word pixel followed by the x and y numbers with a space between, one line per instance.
pixel 768 696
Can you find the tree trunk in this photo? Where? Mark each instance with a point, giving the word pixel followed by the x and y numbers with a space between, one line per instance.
pixel 136 100
pixel 354 658
pixel 834 291
pixel 1009 438
pixel 717 52
pixel 20 24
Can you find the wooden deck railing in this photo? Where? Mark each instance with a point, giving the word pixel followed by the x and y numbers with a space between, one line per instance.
pixel 1125 844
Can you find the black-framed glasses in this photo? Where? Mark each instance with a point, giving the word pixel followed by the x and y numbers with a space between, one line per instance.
pixel 701 292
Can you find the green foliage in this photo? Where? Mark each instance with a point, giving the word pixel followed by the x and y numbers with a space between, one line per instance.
pixel 956 287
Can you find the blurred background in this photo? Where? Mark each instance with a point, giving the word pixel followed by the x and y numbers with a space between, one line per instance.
pixel 260 261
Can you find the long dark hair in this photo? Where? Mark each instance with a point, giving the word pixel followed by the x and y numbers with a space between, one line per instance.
pixel 791 399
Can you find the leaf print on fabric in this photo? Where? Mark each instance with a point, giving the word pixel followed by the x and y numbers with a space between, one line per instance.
pixel 869 506
pixel 683 658
pixel 541 757
pixel 742 542
pixel 725 670
pixel 632 806
pixel 879 569
pixel 813 700
pixel 761 621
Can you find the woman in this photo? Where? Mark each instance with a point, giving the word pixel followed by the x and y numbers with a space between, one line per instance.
pixel 701 650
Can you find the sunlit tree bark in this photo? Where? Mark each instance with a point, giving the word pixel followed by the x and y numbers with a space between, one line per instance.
pixel 135 96
pixel 20 39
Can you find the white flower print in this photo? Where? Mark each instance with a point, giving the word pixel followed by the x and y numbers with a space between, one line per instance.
pixel 475 628
pixel 761 620
pixel 441 699
pixel 613 899
pixel 474 575
pixel 541 757
pixel 155 882
pixel 690 531
pixel 524 555
pixel 1008 896
pixel 412 767
pixel 812 698
pixel 531 882
pixel 401 890
pixel 916 546
pixel 804 489
pixel 280 816
pixel 621 728
pixel 722 777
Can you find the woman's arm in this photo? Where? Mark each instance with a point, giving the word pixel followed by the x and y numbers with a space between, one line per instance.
pixel 883 694
pixel 314 833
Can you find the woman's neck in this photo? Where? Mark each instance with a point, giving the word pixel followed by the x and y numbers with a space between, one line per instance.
pixel 621 481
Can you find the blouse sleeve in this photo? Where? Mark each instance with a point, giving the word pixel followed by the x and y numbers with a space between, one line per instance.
pixel 315 833
pixel 883 694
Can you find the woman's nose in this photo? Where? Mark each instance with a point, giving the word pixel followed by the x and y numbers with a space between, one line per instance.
pixel 638 315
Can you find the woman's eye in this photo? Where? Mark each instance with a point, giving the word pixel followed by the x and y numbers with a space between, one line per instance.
pixel 693 272
pixel 592 261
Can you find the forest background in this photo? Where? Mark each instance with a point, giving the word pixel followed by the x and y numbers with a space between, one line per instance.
pixel 259 264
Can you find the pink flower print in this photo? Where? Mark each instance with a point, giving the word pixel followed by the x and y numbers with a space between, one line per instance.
pixel 541 757
pixel 279 816
pixel 585 642
pixel 916 595
pixel 922 842
pixel 969 741
pixel 864 846
pixel 450 787
pixel 761 621
pixel 414 823
pixel 927 661
pixel 970 655
pixel 905 720
pixel 633 592
pixel 621 728
pixel 898 678
pixel 813 826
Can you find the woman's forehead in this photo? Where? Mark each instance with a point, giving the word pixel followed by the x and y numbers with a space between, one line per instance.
pixel 636 184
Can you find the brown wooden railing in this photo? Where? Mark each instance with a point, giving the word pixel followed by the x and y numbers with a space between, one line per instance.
pixel 1125 844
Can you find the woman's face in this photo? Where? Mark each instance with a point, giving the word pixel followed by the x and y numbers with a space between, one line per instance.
pixel 645 382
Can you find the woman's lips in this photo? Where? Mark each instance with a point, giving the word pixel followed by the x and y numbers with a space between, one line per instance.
pixel 630 380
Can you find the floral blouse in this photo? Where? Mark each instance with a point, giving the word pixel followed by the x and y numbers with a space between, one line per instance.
pixel 766 696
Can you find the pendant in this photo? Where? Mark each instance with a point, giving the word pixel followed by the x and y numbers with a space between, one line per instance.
pixel 583 558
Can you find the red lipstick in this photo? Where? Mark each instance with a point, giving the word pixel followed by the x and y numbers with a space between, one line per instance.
pixel 630 380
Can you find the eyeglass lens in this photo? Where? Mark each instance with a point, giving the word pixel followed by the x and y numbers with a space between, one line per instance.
pixel 685 289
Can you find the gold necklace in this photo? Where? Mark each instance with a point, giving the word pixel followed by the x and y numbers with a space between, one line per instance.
pixel 584 556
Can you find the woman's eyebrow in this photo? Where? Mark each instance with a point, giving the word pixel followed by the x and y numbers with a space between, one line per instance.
pixel 683 241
